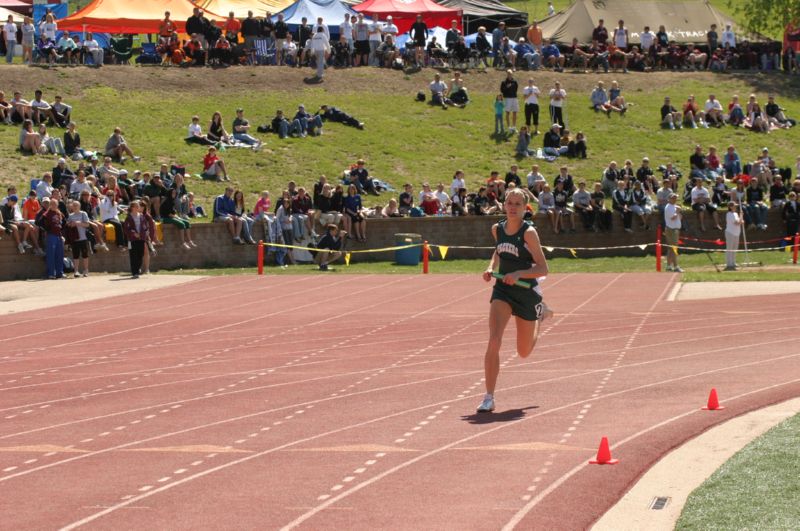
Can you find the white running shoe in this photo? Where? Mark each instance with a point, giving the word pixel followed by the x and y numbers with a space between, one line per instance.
pixel 487 406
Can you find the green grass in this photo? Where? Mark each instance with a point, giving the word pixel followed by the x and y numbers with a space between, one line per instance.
pixel 404 141
pixel 757 488
pixel 697 266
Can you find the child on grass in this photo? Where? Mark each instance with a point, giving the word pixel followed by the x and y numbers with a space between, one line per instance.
pixel 499 108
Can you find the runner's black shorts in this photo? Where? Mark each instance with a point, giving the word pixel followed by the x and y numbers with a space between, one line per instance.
pixel 525 303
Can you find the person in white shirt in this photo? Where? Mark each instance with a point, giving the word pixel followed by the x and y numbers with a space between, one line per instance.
pixel 713 110
pixel 375 39
pixel 438 90
pixel 621 36
pixel 550 9
pixel 91 46
pixel 441 195
pixel 109 213
pixel 536 181
pixel 672 220
pixel 531 95
pixel 42 111
pixel 733 229
pixel 728 37
pixel 290 50
pixel 646 40
pixel 321 24
pixel 458 182
pixel 390 28
pixel 347 29
pixel 701 203
pixel 557 98
pixel 49 27
pixel 10 36
pixel 45 187
pixel 196 135
pixel 321 49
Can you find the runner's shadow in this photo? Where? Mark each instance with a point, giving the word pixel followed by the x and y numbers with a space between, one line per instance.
pixel 490 418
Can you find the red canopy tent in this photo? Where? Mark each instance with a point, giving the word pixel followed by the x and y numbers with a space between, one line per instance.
pixel 124 16
pixel 404 12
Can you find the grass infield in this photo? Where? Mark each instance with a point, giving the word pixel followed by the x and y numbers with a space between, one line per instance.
pixel 757 488
pixel 776 266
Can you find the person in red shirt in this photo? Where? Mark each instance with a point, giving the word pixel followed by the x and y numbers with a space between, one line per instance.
pixel 430 205
pixel 232 28
pixel 52 221
pixel 214 167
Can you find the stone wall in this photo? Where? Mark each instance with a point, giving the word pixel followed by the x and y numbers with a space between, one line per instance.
pixel 216 249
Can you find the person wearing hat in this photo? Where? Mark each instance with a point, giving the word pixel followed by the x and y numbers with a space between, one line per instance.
pixel 551 142
pixel 529 53
pixel 309 124
pixel 498 34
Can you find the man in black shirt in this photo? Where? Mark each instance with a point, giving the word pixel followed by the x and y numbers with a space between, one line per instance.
pixel 304 33
pixel 406 200
pixel 329 246
pixel 670 117
pixel 508 88
pixel 251 29
pixel 773 110
pixel 281 31
pixel 600 33
pixel 513 177
pixel 697 162
pixel 419 34
pixel 198 24
pixel 332 114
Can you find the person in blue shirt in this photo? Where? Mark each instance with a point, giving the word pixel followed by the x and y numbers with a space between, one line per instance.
pixel 225 212
pixel 354 219
pixel 551 56
pixel 497 38
pixel 529 53
pixel 309 124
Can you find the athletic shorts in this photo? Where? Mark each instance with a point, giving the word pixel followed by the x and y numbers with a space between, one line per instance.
pixel 672 236
pixel 362 47
pixel 511 105
pixel 525 303
pixel 80 249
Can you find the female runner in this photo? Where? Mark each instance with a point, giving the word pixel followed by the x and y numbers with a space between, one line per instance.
pixel 518 253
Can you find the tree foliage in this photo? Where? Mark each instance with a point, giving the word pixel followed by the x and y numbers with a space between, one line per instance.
pixel 768 17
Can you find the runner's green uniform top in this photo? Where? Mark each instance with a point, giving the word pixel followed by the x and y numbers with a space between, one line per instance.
pixel 515 256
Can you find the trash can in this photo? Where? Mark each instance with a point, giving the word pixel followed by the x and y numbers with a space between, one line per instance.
pixel 408 256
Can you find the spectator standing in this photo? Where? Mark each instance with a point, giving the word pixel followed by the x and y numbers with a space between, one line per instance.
pixel 321 49
pixel 77 223
pixel 52 221
pixel 352 210
pixel 280 31
pixel 600 33
pixel 28 39
pixel 672 220
pixel 728 38
pixel 558 97
pixel 531 94
pixel 509 89
pixel 362 34
pixel 10 37
pixel 251 29
pixel 375 37
pixel 498 34
pixel 733 229
pixel 137 232
pixel 791 214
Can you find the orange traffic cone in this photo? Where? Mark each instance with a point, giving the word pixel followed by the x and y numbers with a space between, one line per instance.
pixel 603 454
pixel 713 401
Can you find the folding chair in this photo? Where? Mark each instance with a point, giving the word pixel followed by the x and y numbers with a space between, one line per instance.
pixel 265 54
pixel 149 55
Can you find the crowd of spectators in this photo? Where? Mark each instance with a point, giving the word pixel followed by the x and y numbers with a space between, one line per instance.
pixel 268 40
pixel 713 114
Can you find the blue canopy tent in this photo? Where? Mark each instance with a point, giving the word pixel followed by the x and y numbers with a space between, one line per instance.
pixel 436 31
pixel 470 39
pixel 331 11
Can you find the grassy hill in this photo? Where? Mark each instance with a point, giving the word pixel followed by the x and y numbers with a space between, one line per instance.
pixel 404 141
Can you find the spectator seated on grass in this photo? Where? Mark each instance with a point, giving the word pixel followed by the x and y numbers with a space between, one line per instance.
pixel 309 123
pixel 72 144
pixel 225 212
pixel 195 134
pixel 551 142
pixel 670 117
pixel 713 111
pixel 217 132
pixel 457 93
pixel 439 92
pixel 359 176
pixel 214 167
pixel 283 127
pixel 53 146
pixel 692 115
pixel 241 128
pixel 117 147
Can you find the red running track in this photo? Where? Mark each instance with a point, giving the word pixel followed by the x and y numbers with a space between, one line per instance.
pixel 347 402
